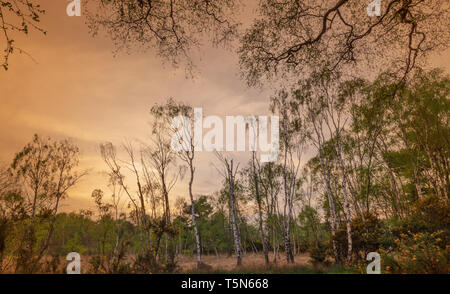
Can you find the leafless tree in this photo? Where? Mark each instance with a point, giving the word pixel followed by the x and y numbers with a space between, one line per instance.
pixel 228 170
pixel 144 189
pixel 162 159
pixel 182 134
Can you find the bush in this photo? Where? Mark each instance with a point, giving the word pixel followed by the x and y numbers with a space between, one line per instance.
pixel 367 236
pixel 303 245
pixel 420 253
pixel 318 253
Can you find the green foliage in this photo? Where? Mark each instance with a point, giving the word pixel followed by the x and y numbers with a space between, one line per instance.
pixel 367 235
pixel 428 215
pixel 318 253
pixel 418 253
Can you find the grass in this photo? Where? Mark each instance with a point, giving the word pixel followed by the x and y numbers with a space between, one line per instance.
pixel 251 264
pixel 333 269
pixel 254 264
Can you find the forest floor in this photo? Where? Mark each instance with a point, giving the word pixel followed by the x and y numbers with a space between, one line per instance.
pixel 223 264
pixel 254 263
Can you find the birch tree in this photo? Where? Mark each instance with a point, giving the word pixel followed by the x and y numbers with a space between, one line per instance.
pixel 160 155
pixel 229 171
pixel 336 121
pixel 256 192
pixel 271 185
pixel 311 108
pixel 178 118
pixel 144 183
pixel 292 137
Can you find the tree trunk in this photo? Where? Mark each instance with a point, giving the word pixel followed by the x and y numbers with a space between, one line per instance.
pixel 237 238
pixel 288 193
pixel 287 244
pixel 263 237
pixel 334 221
pixel 346 203
pixel 194 219
pixel 258 200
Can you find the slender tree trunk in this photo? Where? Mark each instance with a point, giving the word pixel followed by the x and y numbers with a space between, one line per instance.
pixel 287 211
pixel 326 177
pixel 263 236
pixel 170 252
pixel 417 183
pixel 194 219
pixel 287 244
pixel 274 234
pixel 346 203
pixel 237 238
pixel 334 221
pixel 260 213
pixel 166 200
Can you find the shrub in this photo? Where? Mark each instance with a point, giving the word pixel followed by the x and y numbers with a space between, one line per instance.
pixel 303 245
pixel 367 236
pixel 420 253
pixel 318 253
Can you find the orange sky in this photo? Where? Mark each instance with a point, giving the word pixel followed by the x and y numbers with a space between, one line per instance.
pixel 77 89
